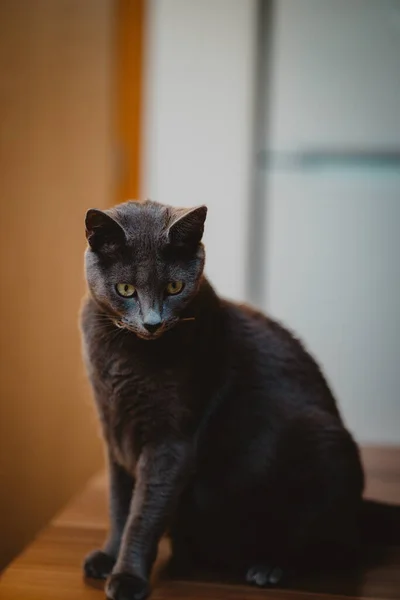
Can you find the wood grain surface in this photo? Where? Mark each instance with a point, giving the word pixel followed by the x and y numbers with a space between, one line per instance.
pixel 50 568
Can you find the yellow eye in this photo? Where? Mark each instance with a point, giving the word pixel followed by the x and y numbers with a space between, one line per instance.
pixel 126 290
pixel 174 287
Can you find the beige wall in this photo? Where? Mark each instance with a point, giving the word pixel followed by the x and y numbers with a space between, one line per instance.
pixel 55 65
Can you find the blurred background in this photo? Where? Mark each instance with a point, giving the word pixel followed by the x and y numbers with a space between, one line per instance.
pixel 283 116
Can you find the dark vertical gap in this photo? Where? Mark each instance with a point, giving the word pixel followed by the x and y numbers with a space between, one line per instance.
pixel 256 246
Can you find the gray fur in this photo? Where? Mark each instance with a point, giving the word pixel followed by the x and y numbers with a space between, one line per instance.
pixel 219 425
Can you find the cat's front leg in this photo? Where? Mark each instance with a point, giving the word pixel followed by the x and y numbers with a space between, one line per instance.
pixel 160 476
pixel 99 563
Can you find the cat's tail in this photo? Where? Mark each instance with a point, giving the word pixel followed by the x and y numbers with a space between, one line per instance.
pixel 380 523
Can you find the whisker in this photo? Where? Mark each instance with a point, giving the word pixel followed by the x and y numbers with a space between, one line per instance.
pixel 115 334
pixel 101 317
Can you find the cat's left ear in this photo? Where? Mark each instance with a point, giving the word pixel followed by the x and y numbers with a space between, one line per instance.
pixel 188 227
pixel 103 233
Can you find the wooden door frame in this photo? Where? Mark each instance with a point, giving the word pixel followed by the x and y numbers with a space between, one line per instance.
pixel 129 75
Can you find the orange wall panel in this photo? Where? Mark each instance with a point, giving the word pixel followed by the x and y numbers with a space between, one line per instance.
pixel 55 159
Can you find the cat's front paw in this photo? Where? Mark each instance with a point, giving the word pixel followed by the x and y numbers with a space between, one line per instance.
pixel 123 586
pixel 98 565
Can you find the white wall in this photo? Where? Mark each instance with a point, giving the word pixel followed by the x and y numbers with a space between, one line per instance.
pixel 336 74
pixel 332 269
pixel 199 121
pixel 334 277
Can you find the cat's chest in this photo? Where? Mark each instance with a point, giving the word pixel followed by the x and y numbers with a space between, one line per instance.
pixel 139 404
pixel 151 412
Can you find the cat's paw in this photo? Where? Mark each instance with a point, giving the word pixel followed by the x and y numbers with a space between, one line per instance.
pixel 98 565
pixel 264 575
pixel 123 586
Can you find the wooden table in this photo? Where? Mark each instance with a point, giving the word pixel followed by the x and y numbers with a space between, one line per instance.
pixel 50 568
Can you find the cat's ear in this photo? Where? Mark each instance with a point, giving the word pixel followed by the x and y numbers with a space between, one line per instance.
pixel 188 227
pixel 103 233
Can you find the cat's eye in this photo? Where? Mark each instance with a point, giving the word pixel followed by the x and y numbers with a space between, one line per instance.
pixel 174 287
pixel 126 290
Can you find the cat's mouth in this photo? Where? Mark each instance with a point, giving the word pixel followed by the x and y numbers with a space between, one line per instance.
pixel 145 335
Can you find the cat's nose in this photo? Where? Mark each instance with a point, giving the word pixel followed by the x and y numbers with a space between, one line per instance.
pixel 152 327
pixel 152 321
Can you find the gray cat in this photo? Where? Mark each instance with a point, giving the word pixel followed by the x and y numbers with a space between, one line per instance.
pixel 220 427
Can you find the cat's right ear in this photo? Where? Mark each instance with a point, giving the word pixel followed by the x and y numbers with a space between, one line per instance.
pixel 188 226
pixel 103 233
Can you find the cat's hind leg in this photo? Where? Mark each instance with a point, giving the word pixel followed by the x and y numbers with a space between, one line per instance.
pixel 264 575
pixel 297 516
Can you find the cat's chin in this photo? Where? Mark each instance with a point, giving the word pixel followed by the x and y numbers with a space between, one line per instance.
pixel 143 335
pixel 148 336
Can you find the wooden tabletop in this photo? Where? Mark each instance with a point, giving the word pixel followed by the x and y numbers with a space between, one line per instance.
pixel 50 568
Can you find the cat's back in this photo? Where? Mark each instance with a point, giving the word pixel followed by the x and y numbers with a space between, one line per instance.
pixel 272 360
pixel 253 333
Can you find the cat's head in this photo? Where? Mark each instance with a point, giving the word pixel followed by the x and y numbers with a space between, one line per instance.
pixel 144 263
